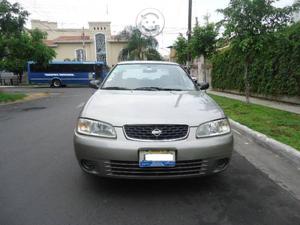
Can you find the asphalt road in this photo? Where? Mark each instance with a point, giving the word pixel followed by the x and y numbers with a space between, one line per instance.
pixel 41 182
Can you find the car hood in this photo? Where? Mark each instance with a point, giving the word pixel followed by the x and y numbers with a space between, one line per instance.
pixel 151 107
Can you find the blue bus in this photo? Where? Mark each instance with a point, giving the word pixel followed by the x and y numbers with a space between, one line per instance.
pixel 58 74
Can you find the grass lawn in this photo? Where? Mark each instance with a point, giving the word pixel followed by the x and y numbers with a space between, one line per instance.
pixel 280 125
pixel 10 97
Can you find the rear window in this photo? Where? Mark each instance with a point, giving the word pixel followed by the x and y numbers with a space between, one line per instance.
pixel 65 68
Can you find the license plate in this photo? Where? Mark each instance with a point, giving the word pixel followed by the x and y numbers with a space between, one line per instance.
pixel 157 158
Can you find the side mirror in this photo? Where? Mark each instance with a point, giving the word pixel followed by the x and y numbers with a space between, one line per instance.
pixel 203 86
pixel 95 84
pixel 194 79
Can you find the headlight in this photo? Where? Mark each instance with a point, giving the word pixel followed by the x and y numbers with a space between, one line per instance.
pixel 95 128
pixel 213 128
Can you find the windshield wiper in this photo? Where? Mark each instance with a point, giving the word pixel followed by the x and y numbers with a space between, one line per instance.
pixel 115 88
pixel 171 89
pixel 148 88
pixel 143 88
pixel 157 89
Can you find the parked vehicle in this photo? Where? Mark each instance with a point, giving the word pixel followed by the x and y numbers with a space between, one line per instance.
pixel 149 120
pixel 8 78
pixel 57 74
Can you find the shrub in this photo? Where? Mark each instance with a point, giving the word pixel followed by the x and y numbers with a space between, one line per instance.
pixel 275 71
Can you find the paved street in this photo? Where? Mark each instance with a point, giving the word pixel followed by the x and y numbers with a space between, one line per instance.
pixel 41 182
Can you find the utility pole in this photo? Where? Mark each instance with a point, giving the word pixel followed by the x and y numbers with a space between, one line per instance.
pixel 189 32
pixel 190 20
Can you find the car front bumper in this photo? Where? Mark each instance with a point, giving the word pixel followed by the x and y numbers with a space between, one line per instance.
pixel 120 157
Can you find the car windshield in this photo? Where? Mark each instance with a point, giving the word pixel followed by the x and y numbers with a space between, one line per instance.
pixel 149 77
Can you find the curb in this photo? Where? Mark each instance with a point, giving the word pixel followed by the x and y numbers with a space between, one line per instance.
pixel 22 86
pixel 276 147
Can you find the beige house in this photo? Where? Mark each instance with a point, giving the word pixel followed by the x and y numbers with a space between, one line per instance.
pixel 94 43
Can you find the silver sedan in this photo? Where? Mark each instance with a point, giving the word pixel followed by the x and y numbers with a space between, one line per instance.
pixel 149 120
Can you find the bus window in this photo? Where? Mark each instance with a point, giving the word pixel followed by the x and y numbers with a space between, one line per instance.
pixel 64 68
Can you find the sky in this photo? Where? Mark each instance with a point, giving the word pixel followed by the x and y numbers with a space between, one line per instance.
pixel 77 13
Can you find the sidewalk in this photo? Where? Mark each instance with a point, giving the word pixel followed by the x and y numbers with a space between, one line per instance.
pixel 272 104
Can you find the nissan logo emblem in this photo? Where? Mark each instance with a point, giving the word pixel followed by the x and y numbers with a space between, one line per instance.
pixel 156 132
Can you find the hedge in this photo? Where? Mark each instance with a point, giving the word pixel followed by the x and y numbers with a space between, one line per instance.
pixel 275 71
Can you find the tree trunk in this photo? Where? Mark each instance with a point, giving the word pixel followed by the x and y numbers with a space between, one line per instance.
pixel 20 78
pixel 204 71
pixel 247 83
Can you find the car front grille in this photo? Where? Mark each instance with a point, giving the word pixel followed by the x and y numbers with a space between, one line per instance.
pixel 132 169
pixel 145 132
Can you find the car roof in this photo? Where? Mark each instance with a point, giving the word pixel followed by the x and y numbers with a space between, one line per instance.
pixel 148 62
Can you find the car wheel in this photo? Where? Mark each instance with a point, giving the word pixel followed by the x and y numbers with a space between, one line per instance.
pixel 56 83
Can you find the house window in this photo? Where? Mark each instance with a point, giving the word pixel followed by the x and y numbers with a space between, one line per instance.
pixel 80 55
pixel 100 47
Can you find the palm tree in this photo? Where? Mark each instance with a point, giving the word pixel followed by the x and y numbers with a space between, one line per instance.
pixel 139 47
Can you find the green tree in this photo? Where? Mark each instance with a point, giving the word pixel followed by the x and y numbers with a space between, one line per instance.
pixel 28 46
pixel 12 18
pixel 249 25
pixel 203 42
pixel 181 48
pixel 139 47
pixel 18 45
